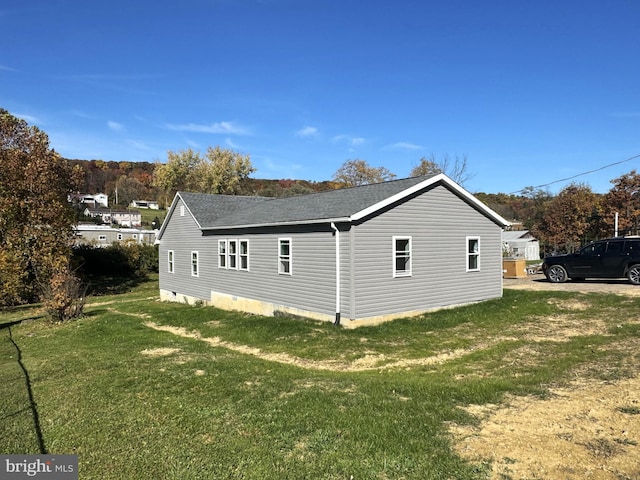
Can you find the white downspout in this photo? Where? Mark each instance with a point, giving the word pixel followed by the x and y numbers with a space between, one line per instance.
pixel 337 232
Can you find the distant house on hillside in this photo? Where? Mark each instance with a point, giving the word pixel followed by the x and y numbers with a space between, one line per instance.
pixel 93 200
pixel 104 235
pixel 521 244
pixel 357 255
pixel 126 218
pixel 151 204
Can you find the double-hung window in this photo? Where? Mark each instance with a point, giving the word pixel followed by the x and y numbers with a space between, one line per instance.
pixel 222 254
pixel 243 255
pixel 401 256
pixel 194 264
pixel 170 267
pixel 232 256
pixel 285 258
pixel 473 254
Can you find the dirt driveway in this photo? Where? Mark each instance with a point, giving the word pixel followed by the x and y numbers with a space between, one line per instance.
pixel 588 430
pixel 539 282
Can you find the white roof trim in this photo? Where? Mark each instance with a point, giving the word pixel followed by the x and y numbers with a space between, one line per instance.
pixel 441 177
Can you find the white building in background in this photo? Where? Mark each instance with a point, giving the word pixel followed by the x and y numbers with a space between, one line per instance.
pixel 521 244
pixel 150 204
pixel 96 200
pixel 104 235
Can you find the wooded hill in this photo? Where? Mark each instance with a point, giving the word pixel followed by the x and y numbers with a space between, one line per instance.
pixel 562 222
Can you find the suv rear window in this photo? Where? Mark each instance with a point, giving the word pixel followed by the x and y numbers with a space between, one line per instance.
pixel 632 246
pixel 614 247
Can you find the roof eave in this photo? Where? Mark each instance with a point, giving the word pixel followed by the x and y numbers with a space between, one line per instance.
pixel 441 177
pixel 278 224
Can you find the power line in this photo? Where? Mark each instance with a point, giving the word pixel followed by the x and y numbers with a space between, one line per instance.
pixel 578 175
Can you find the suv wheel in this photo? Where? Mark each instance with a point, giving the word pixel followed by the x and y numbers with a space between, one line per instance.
pixel 634 274
pixel 557 274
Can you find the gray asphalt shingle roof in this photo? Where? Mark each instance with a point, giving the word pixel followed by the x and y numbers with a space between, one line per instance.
pixel 217 211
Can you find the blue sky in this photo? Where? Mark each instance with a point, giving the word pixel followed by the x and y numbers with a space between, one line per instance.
pixel 529 92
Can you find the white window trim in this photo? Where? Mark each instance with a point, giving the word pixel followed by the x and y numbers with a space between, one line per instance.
pixel 240 255
pixel 197 263
pixel 182 210
pixel 120 236
pixel 102 238
pixel 470 254
pixel 223 255
pixel 171 256
pixel 289 257
pixel 409 271
pixel 233 255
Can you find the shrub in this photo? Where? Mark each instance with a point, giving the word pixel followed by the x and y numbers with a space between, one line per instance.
pixel 119 259
pixel 63 297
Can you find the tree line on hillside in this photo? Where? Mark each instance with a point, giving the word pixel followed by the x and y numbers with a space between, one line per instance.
pixel 562 222
pixel 37 221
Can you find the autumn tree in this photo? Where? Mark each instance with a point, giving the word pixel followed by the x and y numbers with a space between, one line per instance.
pixel 222 171
pixel 357 172
pixel 129 189
pixel 570 219
pixel 219 170
pixel 36 218
pixel 457 168
pixel 624 199
pixel 177 173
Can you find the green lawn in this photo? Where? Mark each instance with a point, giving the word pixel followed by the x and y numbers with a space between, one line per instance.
pixel 278 398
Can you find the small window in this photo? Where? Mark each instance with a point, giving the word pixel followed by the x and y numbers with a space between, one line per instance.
pixel 614 248
pixel 401 256
pixel 244 255
pixel 222 254
pixel 102 238
pixel 473 254
pixel 134 236
pixel 194 264
pixel 119 236
pixel 632 246
pixel 233 254
pixel 170 261
pixel 284 256
pixel 182 210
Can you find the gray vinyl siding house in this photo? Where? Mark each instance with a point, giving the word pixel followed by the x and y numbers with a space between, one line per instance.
pixel 356 256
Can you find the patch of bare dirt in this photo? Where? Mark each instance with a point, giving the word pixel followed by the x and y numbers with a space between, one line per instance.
pixel 159 352
pixel 589 430
pixel 539 282
pixel 368 362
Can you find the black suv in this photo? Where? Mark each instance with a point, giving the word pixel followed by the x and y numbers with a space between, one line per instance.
pixel 613 258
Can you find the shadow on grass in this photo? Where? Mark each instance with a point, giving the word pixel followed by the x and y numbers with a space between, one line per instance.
pixel 33 407
pixel 111 285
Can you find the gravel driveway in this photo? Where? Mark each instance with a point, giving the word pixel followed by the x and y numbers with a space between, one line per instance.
pixel 539 282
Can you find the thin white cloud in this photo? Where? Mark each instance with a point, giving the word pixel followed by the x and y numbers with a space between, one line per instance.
pixel 307 132
pixel 115 126
pixel 405 146
pixel 4 68
pixel 138 145
pixel 231 144
pixel 227 128
pixel 29 118
pixel 349 140
pixel 81 114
